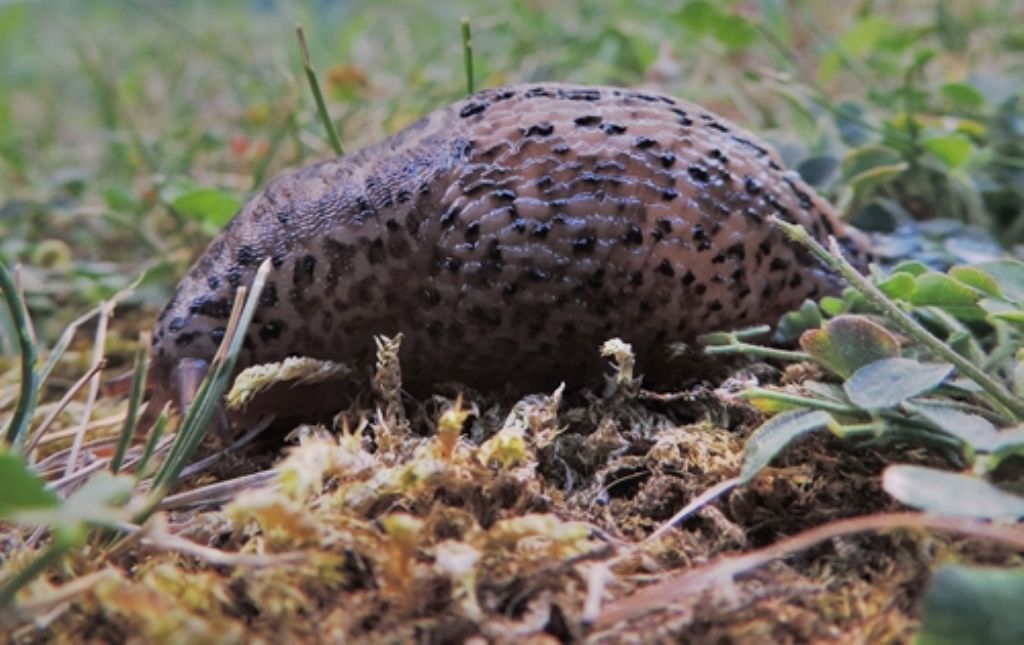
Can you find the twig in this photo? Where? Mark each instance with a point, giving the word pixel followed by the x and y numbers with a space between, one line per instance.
pixel 724 570
pixel 318 96
pixel 218 491
pixel 703 500
pixel 99 348
pixel 156 536
pixel 59 595
pixel 63 403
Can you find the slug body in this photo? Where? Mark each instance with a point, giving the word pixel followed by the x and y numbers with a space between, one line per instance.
pixel 507 236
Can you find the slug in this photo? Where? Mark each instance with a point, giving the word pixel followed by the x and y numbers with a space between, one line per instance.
pixel 506 237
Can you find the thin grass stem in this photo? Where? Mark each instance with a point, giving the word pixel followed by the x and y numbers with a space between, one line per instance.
pixel 17 429
pixel 318 96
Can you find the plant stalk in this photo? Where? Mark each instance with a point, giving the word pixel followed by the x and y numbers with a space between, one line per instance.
pixel 318 96
pixel 901 319
pixel 17 430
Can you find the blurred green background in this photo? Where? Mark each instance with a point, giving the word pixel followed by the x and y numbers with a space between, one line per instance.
pixel 131 130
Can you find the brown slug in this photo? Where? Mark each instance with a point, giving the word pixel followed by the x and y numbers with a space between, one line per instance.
pixel 506 237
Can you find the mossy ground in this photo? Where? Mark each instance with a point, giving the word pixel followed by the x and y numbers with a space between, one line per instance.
pixel 406 520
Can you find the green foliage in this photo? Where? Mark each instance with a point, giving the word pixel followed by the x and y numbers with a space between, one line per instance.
pixel 954 494
pixel 888 382
pixel 973 606
pixel 208 205
pixel 23 490
pixel 903 393
pixel 771 438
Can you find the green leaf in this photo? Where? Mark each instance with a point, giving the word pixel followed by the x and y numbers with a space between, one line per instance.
pixel 849 116
pixel 865 35
pixel 1008 444
pixel 940 290
pixel 97 500
pixel 797 322
pixel 870 165
pixel 890 381
pixel 735 32
pixel 976 278
pixel 816 171
pixel 698 16
pixel 963 95
pixel 119 198
pixel 953 150
pixel 899 285
pixel 946 493
pixel 832 306
pixel 848 343
pixel 1009 275
pixel 973 606
pixel 1015 317
pixel 23 490
pixel 208 205
pixel 913 267
pixel 974 430
pixel 870 178
pixel 778 432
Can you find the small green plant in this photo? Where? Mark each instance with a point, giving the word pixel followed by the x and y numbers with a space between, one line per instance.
pixel 915 357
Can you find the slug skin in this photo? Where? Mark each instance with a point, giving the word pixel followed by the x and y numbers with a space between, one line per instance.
pixel 507 236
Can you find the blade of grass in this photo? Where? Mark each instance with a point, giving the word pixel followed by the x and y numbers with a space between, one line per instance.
pixel 467 51
pixel 63 403
pixel 17 429
pixel 901 319
pixel 134 401
pixel 151 442
pixel 197 419
pixel 318 96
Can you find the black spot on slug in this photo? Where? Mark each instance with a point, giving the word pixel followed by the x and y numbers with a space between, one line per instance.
pixel 245 255
pixel 634 235
pixel 472 109
pixel 218 308
pixel 584 244
pixel 271 330
pixel 542 129
pixel 699 174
